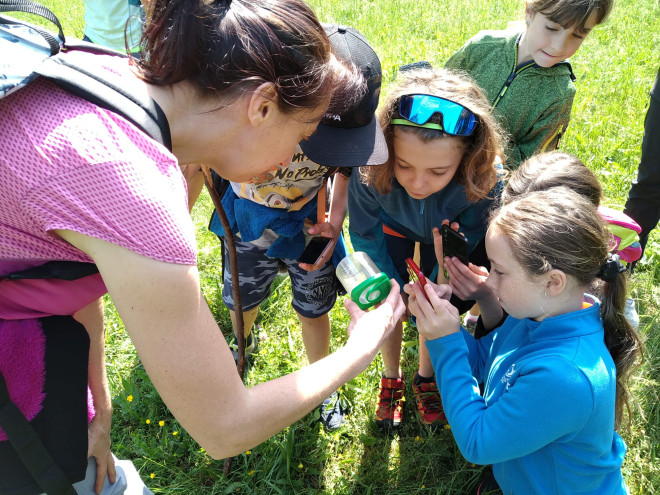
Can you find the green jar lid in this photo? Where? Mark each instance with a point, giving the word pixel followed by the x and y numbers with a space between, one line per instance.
pixel 371 291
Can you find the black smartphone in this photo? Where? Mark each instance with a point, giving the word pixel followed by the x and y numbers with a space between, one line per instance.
pixel 454 244
pixel 316 248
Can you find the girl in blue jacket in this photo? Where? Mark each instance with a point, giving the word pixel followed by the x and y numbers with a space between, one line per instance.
pixel 445 149
pixel 555 372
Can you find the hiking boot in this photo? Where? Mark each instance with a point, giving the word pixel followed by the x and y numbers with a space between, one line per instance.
pixel 487 484
pixel 429 403
pixel 250 347
pixel 333 412
pixel 389 409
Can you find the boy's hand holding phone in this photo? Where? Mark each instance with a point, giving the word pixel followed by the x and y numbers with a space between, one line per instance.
pixel 319 248
pixel 316 253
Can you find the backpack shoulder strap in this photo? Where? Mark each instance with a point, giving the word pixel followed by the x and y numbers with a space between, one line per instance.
pixel 30 449
pixel 107 91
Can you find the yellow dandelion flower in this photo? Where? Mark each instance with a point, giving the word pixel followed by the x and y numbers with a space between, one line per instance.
pixel 129 398
pixel 148 421
pixel 423 486
pixel 251 473
pixel 175 433
pixel 161 423
pixel 248 452
pixel 300 466
pixel 417 438
pixel 152 475
pixel 447 427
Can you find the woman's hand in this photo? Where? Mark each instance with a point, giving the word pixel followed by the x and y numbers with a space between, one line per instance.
pixel 380 321
pixel 325 229
pixel 436 316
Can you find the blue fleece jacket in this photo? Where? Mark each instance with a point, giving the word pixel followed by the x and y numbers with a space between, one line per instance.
pixel 413 218
pixel 546 419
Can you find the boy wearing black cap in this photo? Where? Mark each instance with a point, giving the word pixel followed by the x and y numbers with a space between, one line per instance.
pixel 275 215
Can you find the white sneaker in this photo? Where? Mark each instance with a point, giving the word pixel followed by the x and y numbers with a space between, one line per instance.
pixel 630 312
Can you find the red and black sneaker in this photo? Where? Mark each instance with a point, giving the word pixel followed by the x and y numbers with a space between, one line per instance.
pixel 389 409
pixel 429 403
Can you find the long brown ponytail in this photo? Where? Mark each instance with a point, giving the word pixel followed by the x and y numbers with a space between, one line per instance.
pixel 560 229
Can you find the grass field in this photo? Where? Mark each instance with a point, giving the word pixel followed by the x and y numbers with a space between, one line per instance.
pixel 615 68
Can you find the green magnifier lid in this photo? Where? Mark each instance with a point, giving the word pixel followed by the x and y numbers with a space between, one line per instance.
pixel 371 291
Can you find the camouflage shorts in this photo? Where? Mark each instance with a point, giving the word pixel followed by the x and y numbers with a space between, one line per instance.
pixel 314 293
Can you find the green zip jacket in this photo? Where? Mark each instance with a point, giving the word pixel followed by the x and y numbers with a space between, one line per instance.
pixel 535 107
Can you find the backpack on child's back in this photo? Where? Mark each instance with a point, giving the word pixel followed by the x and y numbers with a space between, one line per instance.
pixel 625 233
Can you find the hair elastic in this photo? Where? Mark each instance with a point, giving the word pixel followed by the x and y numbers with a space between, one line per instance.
pixel 611 268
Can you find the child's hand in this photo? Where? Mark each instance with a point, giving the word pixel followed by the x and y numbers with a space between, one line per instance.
pixel 467 282
pixel 98 445
pixel 439 250
pixel 436 317
pixel 326 229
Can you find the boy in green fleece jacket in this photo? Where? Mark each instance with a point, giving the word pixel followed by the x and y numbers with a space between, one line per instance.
pixel 526 75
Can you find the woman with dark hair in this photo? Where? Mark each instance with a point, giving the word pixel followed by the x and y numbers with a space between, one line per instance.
pixel 79 183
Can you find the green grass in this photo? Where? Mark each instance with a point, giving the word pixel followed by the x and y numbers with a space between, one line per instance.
pixel 615 68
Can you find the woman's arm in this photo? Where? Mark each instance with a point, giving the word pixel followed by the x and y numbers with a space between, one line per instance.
pixel 187 358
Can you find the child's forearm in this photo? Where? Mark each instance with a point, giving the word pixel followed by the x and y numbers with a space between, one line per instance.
pixel 339 202
pixel 91 317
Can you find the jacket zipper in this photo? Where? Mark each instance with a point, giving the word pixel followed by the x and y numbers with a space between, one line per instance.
pixel 514 72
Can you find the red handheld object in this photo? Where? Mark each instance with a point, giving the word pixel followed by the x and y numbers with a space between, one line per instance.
pixel 416 275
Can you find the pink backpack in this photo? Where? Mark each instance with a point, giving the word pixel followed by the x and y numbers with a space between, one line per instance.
pixel 624 231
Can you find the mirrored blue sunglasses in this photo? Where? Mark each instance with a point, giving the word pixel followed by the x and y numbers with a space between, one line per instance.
pixel 418 110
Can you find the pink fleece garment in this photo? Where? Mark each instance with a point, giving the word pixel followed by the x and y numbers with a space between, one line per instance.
pixel 22 363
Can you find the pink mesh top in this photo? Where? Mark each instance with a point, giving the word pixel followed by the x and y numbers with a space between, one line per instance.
pixel 67 164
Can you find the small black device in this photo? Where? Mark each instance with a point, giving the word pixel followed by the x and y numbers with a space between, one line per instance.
pixel 454 244
pixel 316 248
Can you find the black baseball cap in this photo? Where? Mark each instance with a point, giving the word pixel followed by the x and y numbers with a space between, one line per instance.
pixel 353 138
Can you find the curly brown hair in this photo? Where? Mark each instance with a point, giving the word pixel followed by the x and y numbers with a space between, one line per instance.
pixel 483 148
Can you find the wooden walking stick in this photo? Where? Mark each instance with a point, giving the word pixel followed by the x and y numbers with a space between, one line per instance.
pixel 233 269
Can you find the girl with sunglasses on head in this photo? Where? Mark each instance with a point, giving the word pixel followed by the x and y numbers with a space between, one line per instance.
pixel 444 152
pixel 555 372
pixel 525 72
pixel 79 183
